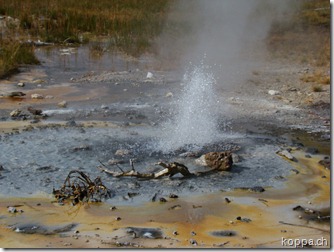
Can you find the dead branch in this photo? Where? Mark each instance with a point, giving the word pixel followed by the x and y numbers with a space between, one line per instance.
pixel 170 169
pixel 299 225
pixel 78 187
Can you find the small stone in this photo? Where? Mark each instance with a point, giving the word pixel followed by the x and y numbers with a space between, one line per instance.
pixel 115 161
pixel 227 200
pixel 163 200
pixel 231 222
pixel 122 152
pixel 21 84
pixel 169 94
pixel 221 161
pixel 175 233
pixel 193 242
pixel 49 97
pixel 125 90
pixel 118 218
pixel 286 154
pixel 113 208
pixel 236 158
pixel 12 210
pixel 62 104
pixel 149 75
pixel 76 231
pixel 273 92
pixel 300 217
pixel 37 96
pixel 173 196
pixel 193 233
pixel 104 106
pixel 15 113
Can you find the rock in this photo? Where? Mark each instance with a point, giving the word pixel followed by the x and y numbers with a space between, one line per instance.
pixel 221 161
pixel 13 94
pixel 201 161
pixel 122 152
pixel 62 104
pixel 115 161
pixel 190 154
pixel 169 94
pixel 35 111
pixel 151 233
pixel 193 242
pixel 286 154
pixel 21 84
pixel 252 189
pixel 326 163
pixel 71 123
pixel 243 219
pixel 49 97
pixel 173 196
pixel 163 200
pixel 83 147
pixel 223 233
pixel 312 150
pixel 273 92
pixel 37 96
pixel 104 106
pixel 12 210
pixel 149 75
pixel 236 158
pixel 15 113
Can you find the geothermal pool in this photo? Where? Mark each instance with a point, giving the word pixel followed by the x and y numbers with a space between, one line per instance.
pixel 174 116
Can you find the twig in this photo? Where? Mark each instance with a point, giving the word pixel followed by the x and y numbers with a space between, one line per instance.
pixel 119 168
pixel 299 225
pixel 131 163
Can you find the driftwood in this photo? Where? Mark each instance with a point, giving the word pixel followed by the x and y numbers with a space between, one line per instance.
pixel 170 169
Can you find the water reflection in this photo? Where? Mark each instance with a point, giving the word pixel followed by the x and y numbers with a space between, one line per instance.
pixel 89 57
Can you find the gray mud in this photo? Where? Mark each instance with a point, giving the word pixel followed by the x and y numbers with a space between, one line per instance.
pixel 38 160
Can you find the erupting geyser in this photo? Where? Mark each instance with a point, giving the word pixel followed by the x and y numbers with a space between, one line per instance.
pixel 195 120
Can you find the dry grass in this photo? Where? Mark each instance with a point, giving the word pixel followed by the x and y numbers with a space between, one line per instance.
pixel 130 25
pixel 318 77
pixel 317 89
pixel 305 36
pixel 13 54
pixel 126 21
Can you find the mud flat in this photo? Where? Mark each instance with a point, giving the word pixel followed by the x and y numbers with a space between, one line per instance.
pixel 265 198
pixel 226 219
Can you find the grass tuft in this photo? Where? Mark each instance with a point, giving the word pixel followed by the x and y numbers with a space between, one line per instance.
pixel 13 54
